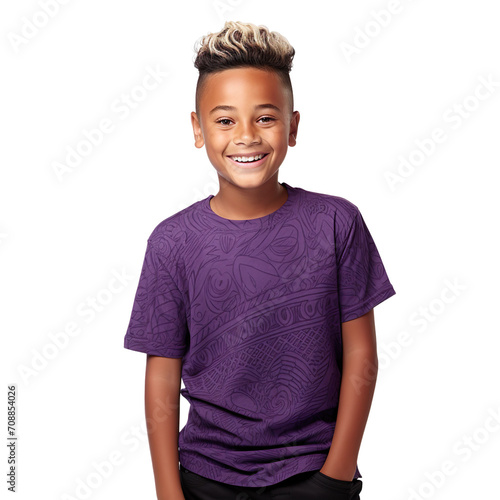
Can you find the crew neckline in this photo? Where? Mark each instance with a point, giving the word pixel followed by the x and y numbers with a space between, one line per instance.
pixel 266 220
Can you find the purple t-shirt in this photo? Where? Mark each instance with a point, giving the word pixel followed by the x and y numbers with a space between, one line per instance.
pixel 255 307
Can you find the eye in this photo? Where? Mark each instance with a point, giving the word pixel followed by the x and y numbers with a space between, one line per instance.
pixel 267 118
pixel 224 120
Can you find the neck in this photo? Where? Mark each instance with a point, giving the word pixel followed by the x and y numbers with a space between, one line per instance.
pixel 235 202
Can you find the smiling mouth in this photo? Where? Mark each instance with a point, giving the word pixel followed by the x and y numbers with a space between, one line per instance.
pixel 248 159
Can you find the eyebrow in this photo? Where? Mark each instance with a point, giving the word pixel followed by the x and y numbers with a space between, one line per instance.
pixel 223 107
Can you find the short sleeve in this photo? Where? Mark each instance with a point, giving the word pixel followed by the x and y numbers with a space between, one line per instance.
pixel 362 280
pixel 158 324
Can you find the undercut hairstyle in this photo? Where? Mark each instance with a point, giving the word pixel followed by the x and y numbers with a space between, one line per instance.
pixel 240 45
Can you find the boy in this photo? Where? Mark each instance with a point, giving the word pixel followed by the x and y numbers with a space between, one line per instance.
pixel 261 297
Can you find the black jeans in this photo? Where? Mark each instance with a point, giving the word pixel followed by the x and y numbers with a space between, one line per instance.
pixel 311 485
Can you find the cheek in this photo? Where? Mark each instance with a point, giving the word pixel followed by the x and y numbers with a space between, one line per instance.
pixel 279 139
pixel 216 141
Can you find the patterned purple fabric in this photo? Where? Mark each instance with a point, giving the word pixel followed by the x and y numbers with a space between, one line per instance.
pixel 254 307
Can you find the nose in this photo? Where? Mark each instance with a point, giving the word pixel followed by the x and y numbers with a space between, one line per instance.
pixel 246 133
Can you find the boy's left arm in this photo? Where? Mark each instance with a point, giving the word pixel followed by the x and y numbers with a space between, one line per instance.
pixel 359 374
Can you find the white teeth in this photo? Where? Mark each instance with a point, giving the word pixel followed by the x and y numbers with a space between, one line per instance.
pixel 245 159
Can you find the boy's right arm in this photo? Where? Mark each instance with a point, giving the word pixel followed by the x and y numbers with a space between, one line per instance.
pixel 162 401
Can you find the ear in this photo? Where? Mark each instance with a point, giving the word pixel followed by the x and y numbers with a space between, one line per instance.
pixel 198 135
pixel 294 125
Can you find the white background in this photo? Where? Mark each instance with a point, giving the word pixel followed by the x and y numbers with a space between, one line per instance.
pixel 63 237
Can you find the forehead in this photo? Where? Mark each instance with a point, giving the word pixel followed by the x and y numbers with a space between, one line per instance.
pixel 242 87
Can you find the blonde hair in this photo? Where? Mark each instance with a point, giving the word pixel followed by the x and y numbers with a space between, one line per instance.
pixel 241 45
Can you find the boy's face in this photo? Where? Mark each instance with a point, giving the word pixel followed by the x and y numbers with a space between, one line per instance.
pixel 248 128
